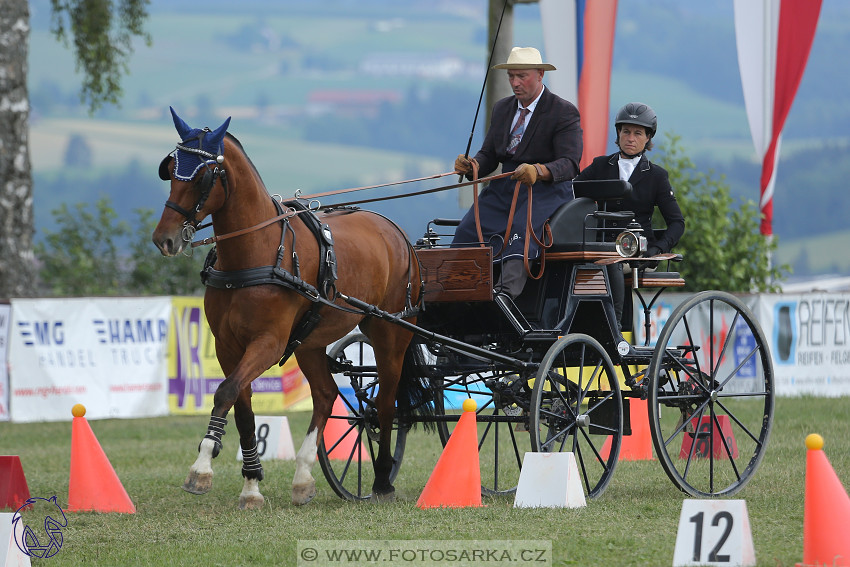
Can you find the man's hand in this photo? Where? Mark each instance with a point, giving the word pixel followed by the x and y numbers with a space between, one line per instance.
pixel 463 165
pixel 652 251
pixel 525 173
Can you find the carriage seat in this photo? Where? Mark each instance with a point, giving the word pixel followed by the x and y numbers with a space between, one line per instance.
pixel 568 225
pixel 577 226
pixel 647 278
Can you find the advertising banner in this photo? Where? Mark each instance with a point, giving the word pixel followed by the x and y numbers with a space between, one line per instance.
pixel 194 372
pixel 5 315
pixel 809 337
pixel 106 353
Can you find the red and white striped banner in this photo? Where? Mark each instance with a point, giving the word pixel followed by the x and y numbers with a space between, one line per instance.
pixel 774 39
pixel 579 40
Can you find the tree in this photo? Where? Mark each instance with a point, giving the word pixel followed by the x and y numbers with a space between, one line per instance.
pixel 722 246
pixel 81 257
pixel 16 212
pixel 78 152
pixel 101 32
pixel 92 253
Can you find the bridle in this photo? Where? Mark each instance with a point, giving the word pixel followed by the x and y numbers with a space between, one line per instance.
pixel 205 185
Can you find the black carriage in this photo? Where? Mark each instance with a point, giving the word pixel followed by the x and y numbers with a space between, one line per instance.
pixel 551 372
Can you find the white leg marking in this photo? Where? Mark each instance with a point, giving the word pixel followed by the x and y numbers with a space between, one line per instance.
pixel 251 497
pixel 303 484
pixel 199 480
pixel 305 458
pixel 203 464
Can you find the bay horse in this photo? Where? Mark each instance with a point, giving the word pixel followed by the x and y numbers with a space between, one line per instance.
pixel 274 286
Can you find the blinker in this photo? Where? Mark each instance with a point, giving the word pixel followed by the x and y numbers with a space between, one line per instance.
pixel 164 168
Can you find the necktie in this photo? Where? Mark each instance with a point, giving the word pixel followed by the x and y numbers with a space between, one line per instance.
pixel 516 132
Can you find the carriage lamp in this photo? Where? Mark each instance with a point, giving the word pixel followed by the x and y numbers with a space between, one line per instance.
pixel 630 243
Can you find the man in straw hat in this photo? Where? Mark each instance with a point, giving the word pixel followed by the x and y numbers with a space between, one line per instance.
pixel 537 135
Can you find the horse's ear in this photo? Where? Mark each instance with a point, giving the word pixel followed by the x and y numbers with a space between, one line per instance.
pixel 182 128
pixel 164 168
pixel 217 135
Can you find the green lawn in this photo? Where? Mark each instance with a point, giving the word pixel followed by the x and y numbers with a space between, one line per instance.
pixel 633 523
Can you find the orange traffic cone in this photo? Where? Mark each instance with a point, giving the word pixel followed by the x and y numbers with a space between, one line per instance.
pixel 638 445
pixel 826 516
pixel 456 479
pixel 14 491
pixel 93 486
pixel 340 437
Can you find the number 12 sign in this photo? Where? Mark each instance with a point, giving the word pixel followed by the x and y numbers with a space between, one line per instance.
pixel 714 532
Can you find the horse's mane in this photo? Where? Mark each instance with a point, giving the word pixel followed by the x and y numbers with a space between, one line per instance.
pixel 236 141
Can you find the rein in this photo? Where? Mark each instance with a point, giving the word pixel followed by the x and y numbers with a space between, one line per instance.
pixel 411 194
pixel 291 212
pixel 283 216
pixel 340 191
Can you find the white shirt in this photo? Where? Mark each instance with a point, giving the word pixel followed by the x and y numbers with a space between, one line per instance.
pixel 530 109
pixel 627 166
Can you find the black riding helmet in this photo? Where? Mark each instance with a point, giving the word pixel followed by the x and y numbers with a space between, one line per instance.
pixel 637 113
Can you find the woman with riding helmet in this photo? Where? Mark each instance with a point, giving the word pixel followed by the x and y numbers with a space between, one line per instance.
pixel 635 124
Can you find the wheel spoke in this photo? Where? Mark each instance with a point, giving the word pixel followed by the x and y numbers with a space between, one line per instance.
pixel 740 424
pixel 726 342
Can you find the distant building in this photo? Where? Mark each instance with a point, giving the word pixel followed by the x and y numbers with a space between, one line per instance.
pixel 351 102
pixel 425 65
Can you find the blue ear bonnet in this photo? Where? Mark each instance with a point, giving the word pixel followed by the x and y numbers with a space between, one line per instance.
pixel 196 149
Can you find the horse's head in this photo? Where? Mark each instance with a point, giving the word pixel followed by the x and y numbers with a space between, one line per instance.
pixel 194 169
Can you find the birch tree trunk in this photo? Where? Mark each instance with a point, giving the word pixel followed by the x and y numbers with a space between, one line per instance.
pixel 17 268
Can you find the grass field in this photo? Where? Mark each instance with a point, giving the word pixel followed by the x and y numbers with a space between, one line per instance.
pixel 633 523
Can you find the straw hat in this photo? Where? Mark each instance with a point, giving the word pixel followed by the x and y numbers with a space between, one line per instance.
pixel 525 58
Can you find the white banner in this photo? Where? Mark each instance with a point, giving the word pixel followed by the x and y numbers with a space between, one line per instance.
pixel 106 353
pixel 809 337
pixel 5 315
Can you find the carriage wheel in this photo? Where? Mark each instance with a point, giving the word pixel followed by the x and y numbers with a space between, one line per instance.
pixel 710 395
pixel 350 445
pixel 502 423
pixel 576 407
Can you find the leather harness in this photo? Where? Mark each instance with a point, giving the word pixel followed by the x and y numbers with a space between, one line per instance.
pixel 274 274
pixel 324 293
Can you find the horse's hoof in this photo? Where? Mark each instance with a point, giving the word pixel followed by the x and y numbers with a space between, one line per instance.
pixel 253 501
pixel 198 483
pixel 382 497
pixel 303 493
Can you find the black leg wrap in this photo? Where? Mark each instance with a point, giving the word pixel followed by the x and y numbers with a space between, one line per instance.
pixel 251 467
pixel 215 431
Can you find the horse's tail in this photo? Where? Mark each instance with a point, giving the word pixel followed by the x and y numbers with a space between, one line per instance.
pixel 416 391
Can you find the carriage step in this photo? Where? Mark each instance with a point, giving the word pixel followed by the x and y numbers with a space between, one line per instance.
pixel 642 353
pixel 542 335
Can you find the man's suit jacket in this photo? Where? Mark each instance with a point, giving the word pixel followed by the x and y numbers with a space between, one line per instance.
pixel 552 137
pixel 650 189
